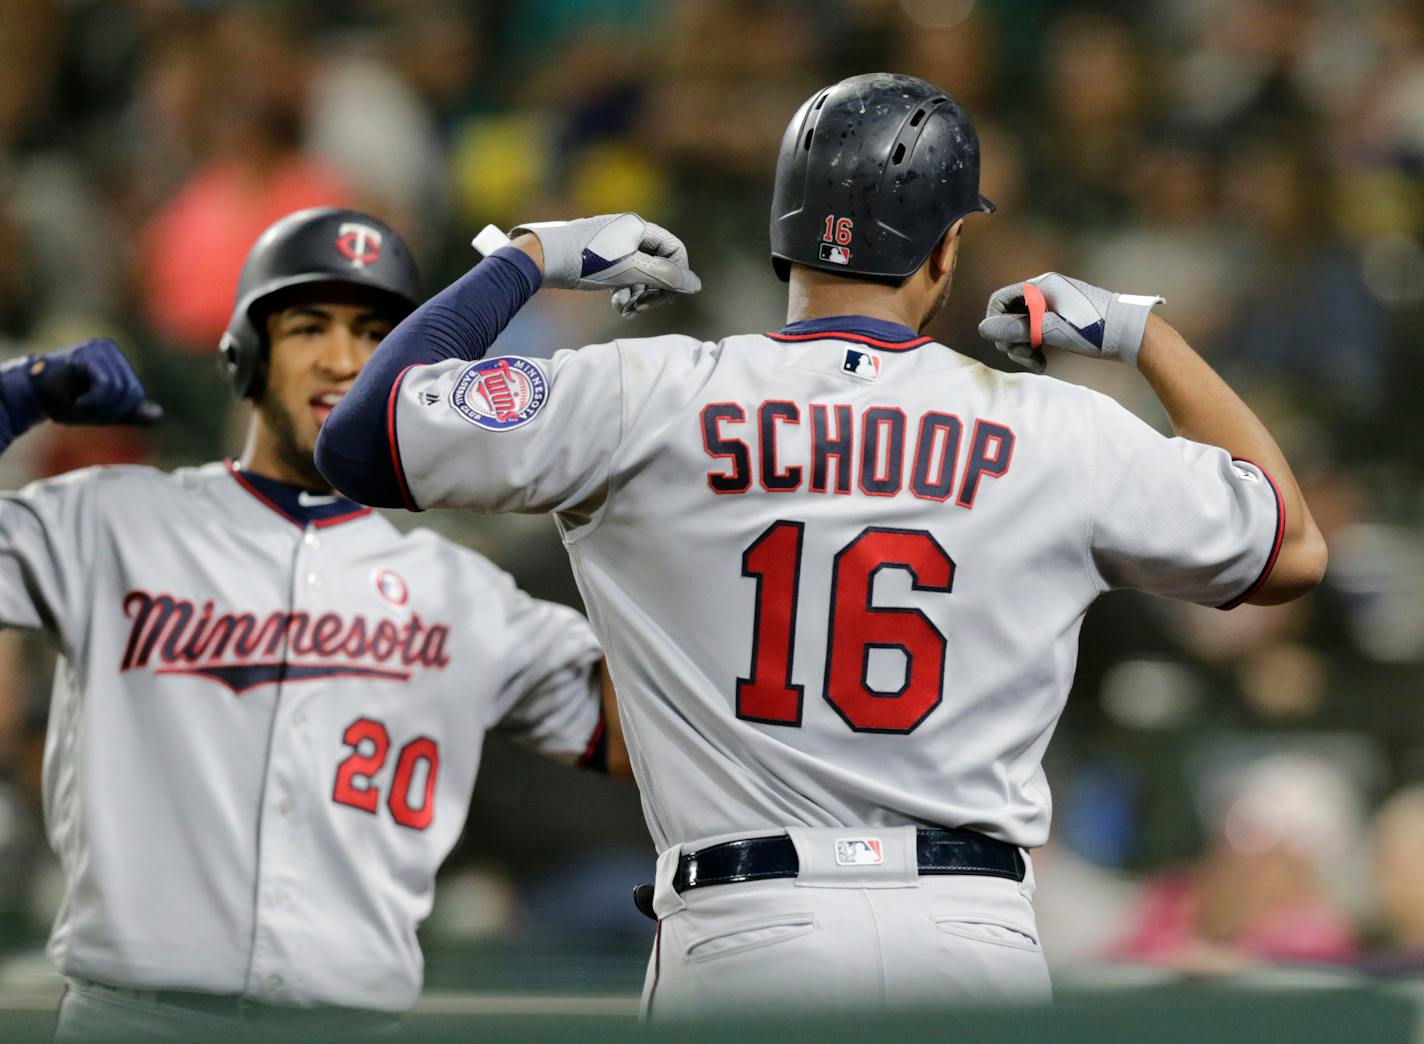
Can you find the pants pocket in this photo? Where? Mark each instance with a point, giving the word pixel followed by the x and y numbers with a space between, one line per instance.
pixel 749 936
pixel 983 929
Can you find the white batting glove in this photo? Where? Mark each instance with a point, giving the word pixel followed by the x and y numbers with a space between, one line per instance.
pixel 642 262
pixel 1066 313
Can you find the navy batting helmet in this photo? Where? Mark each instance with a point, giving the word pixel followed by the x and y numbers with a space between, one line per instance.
pixel 872 172
pixel 317 245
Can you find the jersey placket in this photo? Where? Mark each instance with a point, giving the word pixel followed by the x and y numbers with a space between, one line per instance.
pixel 283 819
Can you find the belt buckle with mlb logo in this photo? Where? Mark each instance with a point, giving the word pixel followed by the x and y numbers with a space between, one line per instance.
pixel 859 851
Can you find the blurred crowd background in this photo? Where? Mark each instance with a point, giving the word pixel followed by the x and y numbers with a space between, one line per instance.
pixel 1232 790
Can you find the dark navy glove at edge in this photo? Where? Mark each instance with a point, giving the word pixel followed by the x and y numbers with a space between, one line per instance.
pixel 91 383
pixel 19 409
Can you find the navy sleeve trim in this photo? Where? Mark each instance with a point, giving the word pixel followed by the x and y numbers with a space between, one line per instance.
pixel 1275 544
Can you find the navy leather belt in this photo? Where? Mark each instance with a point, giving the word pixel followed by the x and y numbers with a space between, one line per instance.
pixel 937 850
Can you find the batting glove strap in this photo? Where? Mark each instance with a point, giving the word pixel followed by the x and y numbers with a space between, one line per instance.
pixel 1125 322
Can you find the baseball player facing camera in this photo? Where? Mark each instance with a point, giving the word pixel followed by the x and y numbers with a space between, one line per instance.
pixel 839 569
pixel 269 705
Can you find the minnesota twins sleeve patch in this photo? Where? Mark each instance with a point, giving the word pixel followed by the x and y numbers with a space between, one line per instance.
pixel 500 394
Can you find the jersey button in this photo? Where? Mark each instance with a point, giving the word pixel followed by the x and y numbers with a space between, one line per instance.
pixel 274 982
pixel 284 807
pixel 313 580
pixel 311 540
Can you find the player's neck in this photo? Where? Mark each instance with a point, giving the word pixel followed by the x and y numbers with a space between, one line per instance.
pixel 815 295
pixel 260 457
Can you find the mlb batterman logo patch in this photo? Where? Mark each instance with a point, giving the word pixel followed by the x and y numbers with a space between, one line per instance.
pixel 859 851
pixel 861 364
pixel 500 394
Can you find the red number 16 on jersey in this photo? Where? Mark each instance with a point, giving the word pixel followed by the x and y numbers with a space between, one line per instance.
pixel 855 628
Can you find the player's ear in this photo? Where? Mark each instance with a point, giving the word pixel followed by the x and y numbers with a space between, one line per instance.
pixel 941 259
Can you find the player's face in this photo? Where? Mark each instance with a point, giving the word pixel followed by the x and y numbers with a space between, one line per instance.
pixel 318 347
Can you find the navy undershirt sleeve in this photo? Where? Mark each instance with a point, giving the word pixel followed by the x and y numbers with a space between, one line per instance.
pixel 354 451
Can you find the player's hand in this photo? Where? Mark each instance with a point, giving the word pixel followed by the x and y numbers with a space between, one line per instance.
pixel 643 263
pixel 90 383
pixel 1055 310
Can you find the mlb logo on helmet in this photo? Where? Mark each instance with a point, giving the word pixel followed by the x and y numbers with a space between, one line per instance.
pixel 836 255
pixel 861 364
pixel 859 851
pixel 501 393
pixel 360 244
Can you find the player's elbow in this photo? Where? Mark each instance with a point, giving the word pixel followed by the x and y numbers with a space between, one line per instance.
pixel 1299 569
pixel 366 479
pixel 329 461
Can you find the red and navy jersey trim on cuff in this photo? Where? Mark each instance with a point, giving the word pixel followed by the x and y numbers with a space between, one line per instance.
pixel 394 442
pixel 858 338
pixel 1275 543
pixel 595 755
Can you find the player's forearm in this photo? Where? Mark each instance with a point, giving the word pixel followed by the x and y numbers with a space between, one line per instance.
pixel 354 451
pixel 1202 407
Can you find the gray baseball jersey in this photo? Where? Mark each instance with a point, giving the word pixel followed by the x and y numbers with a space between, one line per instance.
pixel 266 725
pixel 839 578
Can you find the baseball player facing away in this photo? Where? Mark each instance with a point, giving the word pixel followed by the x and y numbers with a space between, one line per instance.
pixel 838 569
pixel 269 703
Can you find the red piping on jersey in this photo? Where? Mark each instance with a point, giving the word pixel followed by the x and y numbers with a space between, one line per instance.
pixel 396 465
pixel 593 740
pixel 845 335
pixel 1275 545
pixel 336 520
pixel 236 472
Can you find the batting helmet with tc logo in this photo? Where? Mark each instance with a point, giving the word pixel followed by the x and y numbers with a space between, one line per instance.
pixel 317 245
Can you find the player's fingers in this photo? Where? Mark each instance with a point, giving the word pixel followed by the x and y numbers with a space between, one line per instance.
pixel 666 274
pixel 1005 329
pixel 662 243
pixel 621 297
pixel 1027 357
pixel 627 300
pixel 96 385
pixel 649 297
pixel 1003 299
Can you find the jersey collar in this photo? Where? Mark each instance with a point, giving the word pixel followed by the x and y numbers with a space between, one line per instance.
pixel 299 506
pixel 878 333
